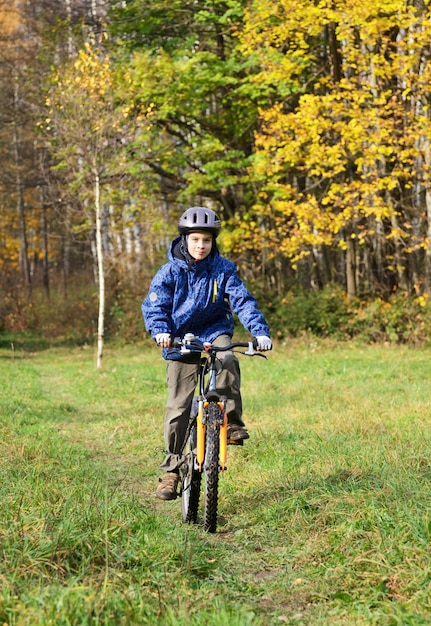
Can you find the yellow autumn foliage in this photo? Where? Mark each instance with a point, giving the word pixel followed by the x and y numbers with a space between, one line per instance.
pixel 340 147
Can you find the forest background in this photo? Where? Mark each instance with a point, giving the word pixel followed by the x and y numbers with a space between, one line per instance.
pixel 305 125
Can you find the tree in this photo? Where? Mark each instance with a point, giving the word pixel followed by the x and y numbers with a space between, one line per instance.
pixel 16 136
pixel 345 142
pixel 88 133
pixel 34 35
pixel 190 80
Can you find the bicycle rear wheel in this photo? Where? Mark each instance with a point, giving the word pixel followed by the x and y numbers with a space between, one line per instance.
pixel 190 482
pixel 214 418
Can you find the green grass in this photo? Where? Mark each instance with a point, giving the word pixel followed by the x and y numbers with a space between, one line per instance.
pixel 324 513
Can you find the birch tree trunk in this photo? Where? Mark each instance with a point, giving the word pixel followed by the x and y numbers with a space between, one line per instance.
pixel 101 273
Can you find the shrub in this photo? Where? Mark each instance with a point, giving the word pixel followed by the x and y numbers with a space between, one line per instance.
pixel 329 313
pixel 324 313
pixel 401 319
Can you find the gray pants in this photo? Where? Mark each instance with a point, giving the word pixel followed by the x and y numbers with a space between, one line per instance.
pixel 181 377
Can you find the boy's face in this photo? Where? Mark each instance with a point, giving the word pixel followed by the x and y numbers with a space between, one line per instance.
pixel 199 244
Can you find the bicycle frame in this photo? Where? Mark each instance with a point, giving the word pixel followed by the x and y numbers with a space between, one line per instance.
pixel 208 392
pixel 206 437
pixel 207 384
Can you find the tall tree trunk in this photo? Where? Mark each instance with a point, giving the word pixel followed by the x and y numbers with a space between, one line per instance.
pixel 427 154
pixel 44 225
pixel 335 59
pixel 101 273
pixel 23 252
pixel 399 260
pixel 428 241
pixel 350 267
pixel 67 245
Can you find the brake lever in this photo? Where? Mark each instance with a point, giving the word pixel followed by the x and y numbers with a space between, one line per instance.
pixel 252 352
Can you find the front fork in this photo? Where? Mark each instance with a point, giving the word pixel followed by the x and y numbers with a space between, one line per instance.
pixel 200 435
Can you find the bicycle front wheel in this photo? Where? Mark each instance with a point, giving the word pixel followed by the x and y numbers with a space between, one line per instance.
pixel 214 419
pixel 190 482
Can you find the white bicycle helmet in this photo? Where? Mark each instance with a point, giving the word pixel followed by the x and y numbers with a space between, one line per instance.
pixel 199 218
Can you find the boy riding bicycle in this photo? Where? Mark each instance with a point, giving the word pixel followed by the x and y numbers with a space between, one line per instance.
pixel 198 291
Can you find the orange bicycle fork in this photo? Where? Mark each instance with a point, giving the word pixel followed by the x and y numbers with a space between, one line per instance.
pixel 200 439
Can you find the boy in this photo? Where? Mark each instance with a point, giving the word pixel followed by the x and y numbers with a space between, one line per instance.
pixel 196 291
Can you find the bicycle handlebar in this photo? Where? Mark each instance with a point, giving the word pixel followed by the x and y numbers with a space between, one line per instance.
pixel 190 343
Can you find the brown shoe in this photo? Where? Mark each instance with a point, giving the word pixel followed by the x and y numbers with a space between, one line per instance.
pixel 236 434
pixel 167 487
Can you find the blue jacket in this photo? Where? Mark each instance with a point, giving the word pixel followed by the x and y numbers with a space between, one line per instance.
pixel 199 297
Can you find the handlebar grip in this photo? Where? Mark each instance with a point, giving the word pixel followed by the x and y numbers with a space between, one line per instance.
pixel 177 342
pixel 255 344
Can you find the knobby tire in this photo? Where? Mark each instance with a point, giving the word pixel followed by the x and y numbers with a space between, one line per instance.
pixel 191 482
pixel 211 465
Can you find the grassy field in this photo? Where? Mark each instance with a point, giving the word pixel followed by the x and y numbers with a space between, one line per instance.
pixel 324 513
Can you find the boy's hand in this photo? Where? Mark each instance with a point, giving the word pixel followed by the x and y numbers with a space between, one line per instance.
pixel 264 343
pixel 163 340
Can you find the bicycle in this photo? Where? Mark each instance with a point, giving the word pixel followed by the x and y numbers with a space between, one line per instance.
pixel 205 443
